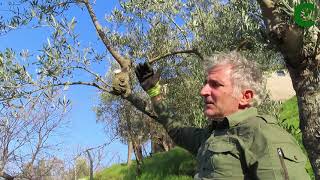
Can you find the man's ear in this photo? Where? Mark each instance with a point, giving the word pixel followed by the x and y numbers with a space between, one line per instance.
pixel 247 97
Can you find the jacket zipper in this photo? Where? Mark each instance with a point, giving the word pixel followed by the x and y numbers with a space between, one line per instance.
pixel 280 153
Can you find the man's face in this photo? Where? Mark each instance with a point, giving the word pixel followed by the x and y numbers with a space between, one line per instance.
pixel 217 91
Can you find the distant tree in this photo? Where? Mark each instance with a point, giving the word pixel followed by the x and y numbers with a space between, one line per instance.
pixel 25 133
pixel 57 168
pixel 124 121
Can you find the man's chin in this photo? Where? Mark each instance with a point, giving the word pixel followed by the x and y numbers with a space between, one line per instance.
pixel 212 114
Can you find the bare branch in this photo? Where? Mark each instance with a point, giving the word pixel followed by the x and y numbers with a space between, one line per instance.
pixel 32 126
pixel 120 59
pixel 183 32
pixel 76 83
pixel 189 51
pixel 92 73
pixel 54 85
pixel 316 51
pixel 102 145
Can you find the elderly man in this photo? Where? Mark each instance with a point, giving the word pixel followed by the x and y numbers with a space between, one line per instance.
pixel 239 143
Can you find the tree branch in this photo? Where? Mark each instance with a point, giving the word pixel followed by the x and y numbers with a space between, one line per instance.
pixel 54 85
pixel 73 83
pixel 141 105
pixel 102 145
pixel 120 59
pixel 92 73
pixel 317 45
pixel 189 51
pixel 183 33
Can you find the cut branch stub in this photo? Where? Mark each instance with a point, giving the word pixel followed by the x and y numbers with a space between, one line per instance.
pixel 121 83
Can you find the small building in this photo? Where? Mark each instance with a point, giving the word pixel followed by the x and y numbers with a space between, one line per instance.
pixel 280 85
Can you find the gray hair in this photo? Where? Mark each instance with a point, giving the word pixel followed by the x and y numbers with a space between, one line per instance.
pixel 245 74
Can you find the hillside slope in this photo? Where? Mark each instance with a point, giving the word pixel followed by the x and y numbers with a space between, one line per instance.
pixel 173 165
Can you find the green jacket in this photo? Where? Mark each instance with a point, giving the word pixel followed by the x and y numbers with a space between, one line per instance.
pixel 244 145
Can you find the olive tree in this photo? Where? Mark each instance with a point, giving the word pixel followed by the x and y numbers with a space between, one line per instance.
pixel 175 35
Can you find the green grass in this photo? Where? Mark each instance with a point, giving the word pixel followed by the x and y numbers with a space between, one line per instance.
pixel 289 118
pixel 173 165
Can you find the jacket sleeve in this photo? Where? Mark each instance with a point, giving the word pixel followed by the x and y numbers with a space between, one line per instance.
pixel 276 154
pixel 189 138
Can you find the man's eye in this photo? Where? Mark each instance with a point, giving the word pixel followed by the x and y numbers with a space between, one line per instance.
pixel 215 84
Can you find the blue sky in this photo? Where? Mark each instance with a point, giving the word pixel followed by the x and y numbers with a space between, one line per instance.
pixel 83 129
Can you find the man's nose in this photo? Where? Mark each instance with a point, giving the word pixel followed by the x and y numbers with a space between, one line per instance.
pixel 205 90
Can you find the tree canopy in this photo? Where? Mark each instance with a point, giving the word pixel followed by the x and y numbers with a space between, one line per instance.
pixel 173 35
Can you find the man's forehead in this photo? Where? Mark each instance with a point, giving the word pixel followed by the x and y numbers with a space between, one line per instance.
pixel 220 73
pixel 226 68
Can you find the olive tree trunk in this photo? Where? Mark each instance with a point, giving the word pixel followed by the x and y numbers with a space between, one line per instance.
pixel 300 48
pixel 129 161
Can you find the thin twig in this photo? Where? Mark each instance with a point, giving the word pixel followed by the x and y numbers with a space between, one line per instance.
pixel 54 85
pixel 182 32
pixel 92 73
pixel 317 46
pixel 189 51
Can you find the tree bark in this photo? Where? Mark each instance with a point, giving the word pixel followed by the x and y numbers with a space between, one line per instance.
pixel 6 176
pixel 129 161
pixel 138 152
pixel 156 147
pixel 300 48
pixel 90 164
pixel 139 158
pixel 308 94
pixel 167 142
pixel 75 172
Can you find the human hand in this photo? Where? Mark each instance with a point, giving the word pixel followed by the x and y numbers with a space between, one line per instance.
pixel 149 80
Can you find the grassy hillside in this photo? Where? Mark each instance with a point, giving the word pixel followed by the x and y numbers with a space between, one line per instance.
pixel 179 164
pixel 289 118
pixel 173 165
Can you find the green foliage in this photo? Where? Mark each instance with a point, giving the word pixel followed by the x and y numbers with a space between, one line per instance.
pixel 269 106
pixel 82 168
pixel 184 91
pixel 173 165
pixel 13 75
pixel 289 118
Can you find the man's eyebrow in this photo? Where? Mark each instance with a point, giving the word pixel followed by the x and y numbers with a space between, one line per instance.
pixel 215 81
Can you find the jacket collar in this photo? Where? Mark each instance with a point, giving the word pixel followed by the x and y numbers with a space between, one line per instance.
pixel 241 115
